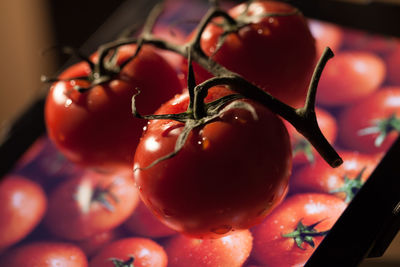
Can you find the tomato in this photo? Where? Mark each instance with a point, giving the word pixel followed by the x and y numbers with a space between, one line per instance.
pixel 303 151
pixel 231 250
pixel 22 206
pixel 350 76
pixel 96 128
pixel 143 223
pixel 229 174
pixel 393 66
pixel 90 204
pixel 275 52
pixel 96 242
pixel 326 35
pixel 373 124
pixel 344 181
pixel 45 254
pixel 290 234
pixel 141 252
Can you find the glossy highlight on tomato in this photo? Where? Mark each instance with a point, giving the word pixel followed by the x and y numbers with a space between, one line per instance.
pixel 228 176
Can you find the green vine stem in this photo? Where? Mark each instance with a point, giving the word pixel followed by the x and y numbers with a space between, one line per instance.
pixel 303 119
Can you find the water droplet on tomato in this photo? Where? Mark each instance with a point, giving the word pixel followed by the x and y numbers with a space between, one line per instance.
pixel 223 229
pixel 168 213
pixel 68 103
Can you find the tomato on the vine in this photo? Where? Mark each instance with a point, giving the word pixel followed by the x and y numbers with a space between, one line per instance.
pixel 344 181
pixel 274 49
pixel 232 250
pixel 326 35
pixel 45 254
pixel 96 128
pixel 373 124
pixel 290 234
pixel 23 204
pixel 228 175
pixel 134 251
pixel 393 66
pixel 90 204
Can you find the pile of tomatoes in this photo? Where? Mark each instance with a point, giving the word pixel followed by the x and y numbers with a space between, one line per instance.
pixel 244 189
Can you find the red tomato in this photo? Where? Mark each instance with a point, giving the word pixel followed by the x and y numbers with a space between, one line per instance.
pixel 372 125
pixel 22 206
pixel 94 243
pixel 344 181
pixel 141 252
pixel 96 128
pixel 302 150
pixel 393 66
pixel 229 174
pixel 276 53
pixel 290 234
pixel 231 250
pixel 360 40
pixel 45 254
pixel 90 204
pixel 350 76
pixel 143 223
pixel 326 35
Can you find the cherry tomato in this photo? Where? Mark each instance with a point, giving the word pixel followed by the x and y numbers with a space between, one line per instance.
pixel 22 206
pixel 393 66
pixel 45 254
pixel 372 125
pixel 290 234
pixel 344 181
pixel 229 174
pixel 143 223
pixel 96 128
pixel 303 151
pixel 90 204
pixel 350 76
pixel 275 50
pixel 231 250
pixel 326 35
pixel 140 252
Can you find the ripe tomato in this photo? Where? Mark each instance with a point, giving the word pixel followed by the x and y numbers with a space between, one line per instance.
pixel 344 181
pixel 90 204
pixel 350 76
pixel 45 254
pixel 275 52
pixel 303 151
pixel 326 34
pixel 229 174
pixel 290 234
pixel 141 252
pixel 231 250
pixel 96 128
pixel 143 223
pixel 96 242
pixel 373 124
pixel 393 66
pixel 22 206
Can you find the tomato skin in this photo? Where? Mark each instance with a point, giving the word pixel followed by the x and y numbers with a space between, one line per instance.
pixel 328 125
pixel 143 223
pixel 75 209
pixel 350 76
pixel 320 177
pixel 393 66
pixel 97 128
pixel 231 250
pixel 229 174
pixel 22 206
pixel 377 106
pixel 45 254
pixel 326 35
pixel 146 253
pixel 266 50
pixel 272 249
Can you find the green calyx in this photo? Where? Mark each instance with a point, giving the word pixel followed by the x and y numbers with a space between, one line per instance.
pixel 304 147
pixel 121 263
pixel 305 234
pixel 382 127
pixel 350 186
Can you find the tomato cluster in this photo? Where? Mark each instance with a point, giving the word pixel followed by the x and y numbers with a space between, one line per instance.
pixel 236 186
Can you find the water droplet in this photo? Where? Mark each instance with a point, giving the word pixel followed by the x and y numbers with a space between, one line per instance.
pixel 68 103
pixel 223 229
pixel 168 213
pixel 205 143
